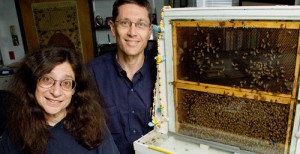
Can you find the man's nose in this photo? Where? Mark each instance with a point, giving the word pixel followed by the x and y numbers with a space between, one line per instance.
pixel 132 29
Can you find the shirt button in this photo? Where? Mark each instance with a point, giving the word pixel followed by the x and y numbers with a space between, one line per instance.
pixel 132 111
pixel 134 131
pixel 131 89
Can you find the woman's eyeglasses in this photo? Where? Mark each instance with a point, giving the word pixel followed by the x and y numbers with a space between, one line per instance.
pixel 48 82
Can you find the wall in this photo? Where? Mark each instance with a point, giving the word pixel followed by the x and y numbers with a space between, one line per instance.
pixel 8 17
pixel 103 8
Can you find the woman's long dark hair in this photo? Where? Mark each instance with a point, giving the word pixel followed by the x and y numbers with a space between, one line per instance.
pixel 85 118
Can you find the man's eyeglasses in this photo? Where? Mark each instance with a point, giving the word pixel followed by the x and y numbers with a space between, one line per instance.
pixel 48 82
pixel 139 24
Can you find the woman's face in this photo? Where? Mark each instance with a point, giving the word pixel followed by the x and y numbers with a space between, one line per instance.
pixel 54 99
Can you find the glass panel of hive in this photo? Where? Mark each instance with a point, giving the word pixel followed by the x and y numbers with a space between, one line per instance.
pixel 257 55
pixel 250 124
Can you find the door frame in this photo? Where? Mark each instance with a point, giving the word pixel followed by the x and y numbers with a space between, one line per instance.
pixel 30 37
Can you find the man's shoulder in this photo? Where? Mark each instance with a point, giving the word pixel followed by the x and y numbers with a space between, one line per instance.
pixel 151 53
pixel 101 60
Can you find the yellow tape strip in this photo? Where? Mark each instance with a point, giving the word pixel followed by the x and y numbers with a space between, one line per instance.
pixel 159 149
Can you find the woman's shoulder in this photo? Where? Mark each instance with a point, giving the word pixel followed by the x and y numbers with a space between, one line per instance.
pixel 6 145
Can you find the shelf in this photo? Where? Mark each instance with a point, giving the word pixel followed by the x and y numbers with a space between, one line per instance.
pixel 102 27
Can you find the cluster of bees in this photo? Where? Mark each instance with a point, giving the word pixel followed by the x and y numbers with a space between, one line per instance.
pixel 266 66
pixel 257 59
pixel 241 117
pixel 206 52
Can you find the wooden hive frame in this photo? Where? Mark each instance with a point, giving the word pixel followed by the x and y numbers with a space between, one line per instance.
pixel 240 92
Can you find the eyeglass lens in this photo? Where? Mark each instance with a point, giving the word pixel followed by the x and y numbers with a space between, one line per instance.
pixel 48 82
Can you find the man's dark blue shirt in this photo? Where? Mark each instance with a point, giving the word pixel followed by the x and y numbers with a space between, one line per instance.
pixel 128 103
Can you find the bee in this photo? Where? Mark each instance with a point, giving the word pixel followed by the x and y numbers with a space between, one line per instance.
pixel 256 50
pixel 207 37
pixel 233 64
pixel 219 40
pixel 279 45
pixel 272 51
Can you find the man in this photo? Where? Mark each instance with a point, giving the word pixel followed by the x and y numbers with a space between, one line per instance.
pixel 126 76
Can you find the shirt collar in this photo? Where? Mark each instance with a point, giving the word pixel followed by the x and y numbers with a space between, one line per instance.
pixel 122 72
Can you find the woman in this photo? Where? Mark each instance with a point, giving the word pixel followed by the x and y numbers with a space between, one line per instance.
pixel 58 108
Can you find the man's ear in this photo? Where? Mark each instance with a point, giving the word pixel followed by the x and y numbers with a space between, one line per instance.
pixel 112 27
pixel 150 32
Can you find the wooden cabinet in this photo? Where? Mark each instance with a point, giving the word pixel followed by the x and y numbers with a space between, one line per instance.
pixel 57 22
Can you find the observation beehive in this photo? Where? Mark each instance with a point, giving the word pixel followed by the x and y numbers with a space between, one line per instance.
pixel 234 81
pixel 228 83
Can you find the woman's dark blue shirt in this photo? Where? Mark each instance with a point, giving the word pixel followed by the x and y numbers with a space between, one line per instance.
pixel 61 142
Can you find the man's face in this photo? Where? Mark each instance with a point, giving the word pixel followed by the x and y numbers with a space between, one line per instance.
pixel 132 38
